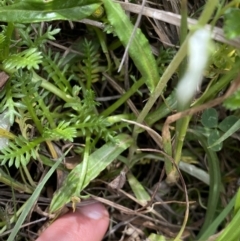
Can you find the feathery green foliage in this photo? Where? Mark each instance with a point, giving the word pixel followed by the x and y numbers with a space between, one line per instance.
pixel 59 73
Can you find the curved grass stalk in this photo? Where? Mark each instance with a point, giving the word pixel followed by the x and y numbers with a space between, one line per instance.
pixel 215 182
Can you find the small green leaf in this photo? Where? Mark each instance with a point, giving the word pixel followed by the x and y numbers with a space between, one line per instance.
pixel 209 118
pixel 228 133
pixel 138 190
pixel 233 102
pixel 231 23
pixel 213 137
pixel 156 237
pixel 29 11
pixel 227 123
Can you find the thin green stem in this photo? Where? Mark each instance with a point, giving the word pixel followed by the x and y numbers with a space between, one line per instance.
pixel 52 88
pixel 209 8
pixel 124 97
pixel 229 5
pixel 6 179
pixel 181 129
pixel 84 164
pixel 32 183
pixel 182 124
pixel 118 118
pixel 14 217
pixel 8 36
pixel 215 182
pixel 32 113
pixel 171 69
pixel 47 113
pixel 102 39
pixel 219 85
pixel 183 34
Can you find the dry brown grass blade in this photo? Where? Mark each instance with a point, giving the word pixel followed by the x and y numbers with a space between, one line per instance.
pixel 173 18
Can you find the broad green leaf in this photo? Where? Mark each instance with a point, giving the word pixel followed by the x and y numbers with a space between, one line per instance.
pixel 139 50
pixel 231 131
pixel 29 11
pixel 97 162
pixel 231 23
pixel 209 118
pixel 214 135
pixel 227 123
pixel 138 190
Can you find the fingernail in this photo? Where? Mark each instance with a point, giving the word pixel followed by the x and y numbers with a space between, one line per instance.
pixel 94 211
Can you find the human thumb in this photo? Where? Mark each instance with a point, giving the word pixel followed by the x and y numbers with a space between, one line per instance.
pixel 87 223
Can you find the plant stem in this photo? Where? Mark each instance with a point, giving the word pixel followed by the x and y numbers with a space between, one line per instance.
pixel 47 113
pixel 182 124
pixel 102 39
pixel 207 12
pixel 124 97
pixel 219 85
pixel 28 176
pixel 161 85
pixel 229 5
pixel 215 182
pixel 32 112
pixel 84 164
pixel 4 178
pixel 52 88
pixel 183 34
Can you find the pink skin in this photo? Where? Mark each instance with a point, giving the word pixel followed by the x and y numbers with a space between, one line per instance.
pixel 88 223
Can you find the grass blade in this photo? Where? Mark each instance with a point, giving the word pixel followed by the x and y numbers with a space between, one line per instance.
pixel 31 201
pixel 139 50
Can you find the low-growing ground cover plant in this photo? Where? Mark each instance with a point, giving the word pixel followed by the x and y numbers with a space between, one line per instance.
pixel 127 103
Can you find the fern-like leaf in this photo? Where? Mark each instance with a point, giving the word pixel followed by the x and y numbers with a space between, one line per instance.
pixel 10 101
pixel 2 38
pixel 51 65
pixel 34 37
pixel 19 152
pixel 41 39
pixel 63 131
pixel 29 58
pixel 6 40
pixel 86 118
pixel 89 68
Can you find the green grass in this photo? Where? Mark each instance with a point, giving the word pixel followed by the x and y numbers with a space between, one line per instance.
pixel 71 121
